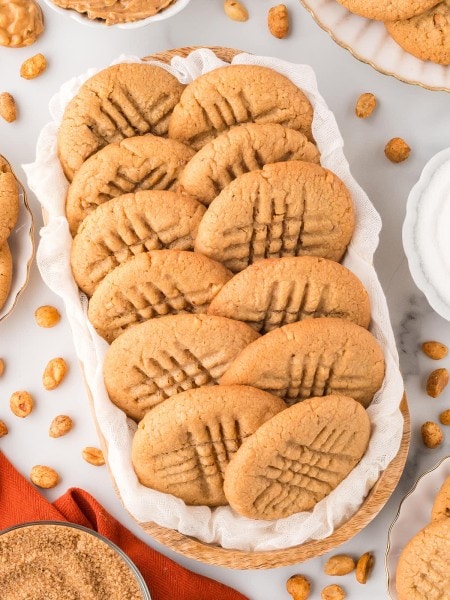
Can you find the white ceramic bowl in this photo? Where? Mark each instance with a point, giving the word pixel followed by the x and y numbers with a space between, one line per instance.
pixel 168 12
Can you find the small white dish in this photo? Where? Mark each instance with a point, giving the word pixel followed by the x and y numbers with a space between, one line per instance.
pixel 168 12
pixel 413 514
pixel 426 238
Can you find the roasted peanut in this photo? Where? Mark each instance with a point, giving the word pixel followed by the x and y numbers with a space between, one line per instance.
pixel 47 316
pixel 235 10
pixel 93 456
pixel 365 105
pixel 278 21
pixel 333 592
pixel 435 350
pixel 60 425
pixel 444 417
pixel 364 567
pixel 431 434
pixel 8 107
pixel 298 587
pixel 436 382
pixel 339 565
pixel 54 373
pixel 21 404
pixel 44 477
pixel 3 428
pixel 397 150
pixel 2 366
pixel 33 67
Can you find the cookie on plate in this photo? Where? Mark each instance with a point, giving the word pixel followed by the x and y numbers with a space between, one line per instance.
pixel 9 201
pixel 240 150
pixel 277 291
pixel 423 566
pixel 183 446
pixel 287 209
pixel 154 284
pixel 128 225
pixel 237 94
pixel 441 506
pixel 118 102
pixel 163 357
pixel 387 10
pixel 426 36
pixel 5 272
pixel 297 458
pixel 314 357
pixel 139 163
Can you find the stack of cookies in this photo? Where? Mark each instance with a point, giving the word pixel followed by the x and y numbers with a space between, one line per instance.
pixel 208 238
pixel 421 27
pixel 9 212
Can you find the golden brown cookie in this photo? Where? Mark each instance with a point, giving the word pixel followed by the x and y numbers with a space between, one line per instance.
pixel 116 11
pixel 166 356
pixel 297 458
pixel 138 163
pixel 128 225
pixel 154 284
pixel 426 36
pixel 237 94
pixel 9 201
pixel 183 446
pixel 441 506
pixel 6 268
pixel 240 150
pixel 423 566
pixel 119 102
pixel 277 291
pixel 314 357
pixel 387 10
pixel 286 209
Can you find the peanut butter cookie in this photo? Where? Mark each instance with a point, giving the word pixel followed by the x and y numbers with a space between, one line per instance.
pixel 9 201
pixel 387 10
pixel 6 268
pixel 441 506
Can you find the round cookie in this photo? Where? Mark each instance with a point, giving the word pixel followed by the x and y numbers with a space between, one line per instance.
pixel 9 201
pixel 387 10
pixel 116 11
pixel 286 209
pixel 297 458
pixel 441 506
pixel 128 225
pixel 119 102
pixel 154 284
pixel 314 357
pixel 240 150
pixel 423 566
pixel 426 36
pixel 183 446
pixel 277 291
pixel 228 96
pixel 166 356
pixel 6 268
pixel 137 163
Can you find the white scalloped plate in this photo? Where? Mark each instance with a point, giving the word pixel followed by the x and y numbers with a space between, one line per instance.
pixel 426 238
pixel 369 42
pixel 413 514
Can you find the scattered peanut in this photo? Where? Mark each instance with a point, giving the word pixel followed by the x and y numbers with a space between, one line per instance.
pixel 60 425
pixel 397 150
pixel 235 10
pixel 435 350
pixel 364 567
pixel 93 456
pixel 436 382
pixel 2 366
pixel 21 404
pixel 3 428
pixel 333 592
pixel 298 587
pixel 431 434
pixel 7 107
pixel 33 67
pixel 339 565
pixel 365 105
pixel 54 373
pixel 47 316
pixel 44 477
pixel 444 417
pixel 278 21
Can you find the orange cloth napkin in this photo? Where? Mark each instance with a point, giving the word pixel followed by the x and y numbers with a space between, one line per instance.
pixel 20 502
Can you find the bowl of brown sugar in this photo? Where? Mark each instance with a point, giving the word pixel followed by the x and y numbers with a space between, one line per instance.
pixel 50 560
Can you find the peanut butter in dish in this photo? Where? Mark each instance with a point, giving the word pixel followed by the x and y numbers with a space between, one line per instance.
pixel 116 11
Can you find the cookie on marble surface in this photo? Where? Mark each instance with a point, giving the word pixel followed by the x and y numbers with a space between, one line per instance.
pixel 139 163
pixel 154 284
pixel 119 102
pixel 297 458
pixel 314 357
pixel 6 268
pixel 277 291
pixel 163 357
pixel 426 36
pixel 183 446
pixel 387 10
pixel 286 209
pixel 237 94
pixel 240 150
pixel 128 225
pixel 9 201
pixel 441 506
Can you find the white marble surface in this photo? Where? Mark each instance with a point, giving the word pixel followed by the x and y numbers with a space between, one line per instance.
pixel 418 115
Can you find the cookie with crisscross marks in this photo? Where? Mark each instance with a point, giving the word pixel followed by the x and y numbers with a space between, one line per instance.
pixel 119 102
pixel 237 94
pixel 139 163
pixel 130 224
pixel 154 284
pixel 387 10
pixel 314 357
pixel 163 357
pixel 9 201
pixel 297 458
pixel 183 446
pixel 286 209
